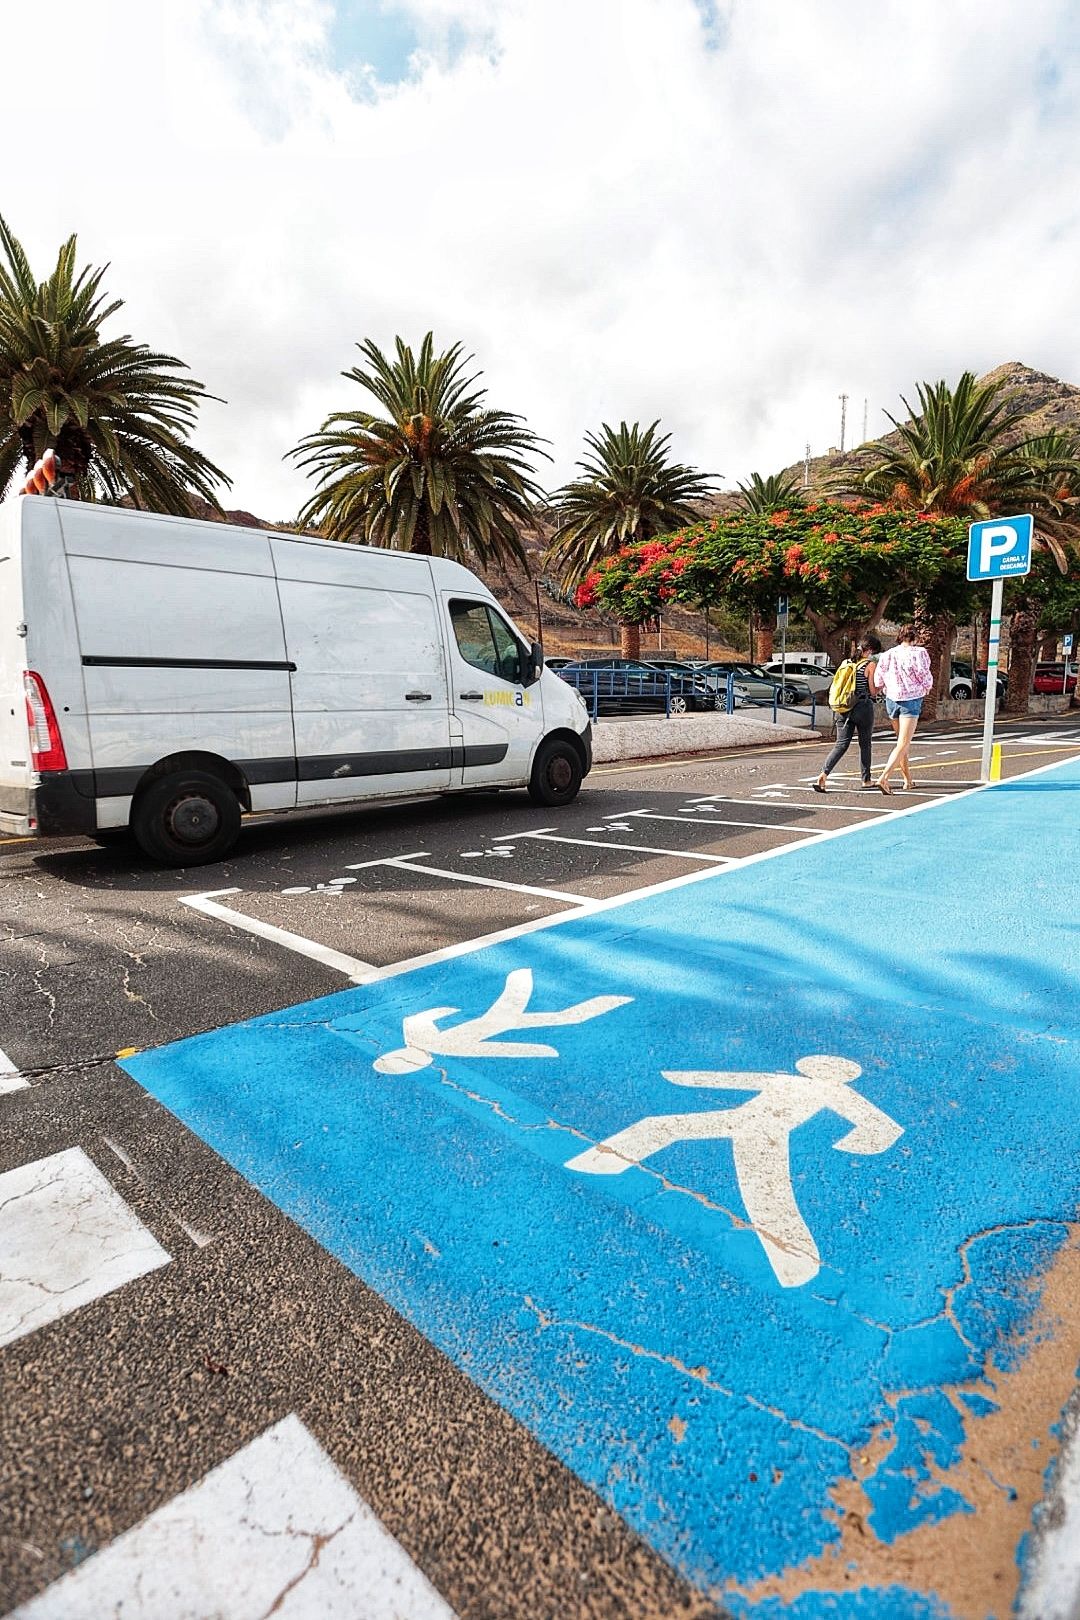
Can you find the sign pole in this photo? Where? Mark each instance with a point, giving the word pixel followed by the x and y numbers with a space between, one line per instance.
pixel 997 593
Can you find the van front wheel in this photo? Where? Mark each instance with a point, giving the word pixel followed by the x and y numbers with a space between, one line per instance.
pixel 186 819
pixel 556 773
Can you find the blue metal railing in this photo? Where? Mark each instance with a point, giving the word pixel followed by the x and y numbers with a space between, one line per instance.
pixel 622 686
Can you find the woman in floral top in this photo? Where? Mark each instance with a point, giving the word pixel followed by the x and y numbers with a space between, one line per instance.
pixel 903 673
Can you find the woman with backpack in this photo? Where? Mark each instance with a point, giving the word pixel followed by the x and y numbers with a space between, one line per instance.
pixel 905 676
pixel 854 687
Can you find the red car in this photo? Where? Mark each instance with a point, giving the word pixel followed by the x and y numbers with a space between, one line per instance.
pixel 1053 678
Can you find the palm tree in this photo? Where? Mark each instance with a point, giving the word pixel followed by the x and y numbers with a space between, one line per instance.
pixel 962 453
pixel 777 493
pixel 630 491
pixel 438 473
pixel 115 412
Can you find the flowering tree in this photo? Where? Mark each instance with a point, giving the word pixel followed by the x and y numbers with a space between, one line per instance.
pixel 840 563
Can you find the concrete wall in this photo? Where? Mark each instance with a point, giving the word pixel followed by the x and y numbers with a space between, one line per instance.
pixel 653 738
pixel 972 708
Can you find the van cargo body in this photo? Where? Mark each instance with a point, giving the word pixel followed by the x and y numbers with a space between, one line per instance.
pixel 165 675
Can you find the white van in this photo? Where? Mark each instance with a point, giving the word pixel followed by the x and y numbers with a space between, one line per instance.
pixel 164 675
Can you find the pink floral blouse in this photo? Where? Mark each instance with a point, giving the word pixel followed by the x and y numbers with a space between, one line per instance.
pixel 904 671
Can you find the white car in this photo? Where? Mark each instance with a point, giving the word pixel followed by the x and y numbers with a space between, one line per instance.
pixel 816 676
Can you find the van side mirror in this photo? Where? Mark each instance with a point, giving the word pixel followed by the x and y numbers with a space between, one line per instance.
pixel 532 664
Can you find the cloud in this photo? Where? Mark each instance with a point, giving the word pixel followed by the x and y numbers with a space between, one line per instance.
pixel 721 215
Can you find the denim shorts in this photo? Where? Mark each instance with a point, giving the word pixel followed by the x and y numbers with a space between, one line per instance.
pixel 895 706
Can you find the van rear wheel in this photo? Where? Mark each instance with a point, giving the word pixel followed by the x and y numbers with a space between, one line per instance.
pixel 556 773
pixel 186 819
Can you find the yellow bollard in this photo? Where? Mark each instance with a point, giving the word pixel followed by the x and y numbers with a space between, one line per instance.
pixel 995 763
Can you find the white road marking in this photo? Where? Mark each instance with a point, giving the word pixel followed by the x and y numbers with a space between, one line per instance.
pixel 473 1037
pixel 758 1131
pixel 403 865
pixel 718 800
pixel 723 821
pixel 70 1237
pixel 352 967
pixel 10 1078
pixel 639 849
pixel 276 1529
pixel 466 947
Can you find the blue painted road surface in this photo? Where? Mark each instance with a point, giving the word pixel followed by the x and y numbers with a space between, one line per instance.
pixel 742 1196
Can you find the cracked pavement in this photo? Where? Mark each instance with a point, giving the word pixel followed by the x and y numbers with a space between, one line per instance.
pixel 117 1408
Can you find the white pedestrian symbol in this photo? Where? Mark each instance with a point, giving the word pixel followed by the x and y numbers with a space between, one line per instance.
pixel 759 1131
pixel 473 1038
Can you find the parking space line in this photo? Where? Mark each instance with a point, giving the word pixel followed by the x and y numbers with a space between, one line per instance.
pixel 720 821
pixel 352 967
pixel 465 947
pixel 763 804
pixel 385 860
pixel 403 864
pixel 601 843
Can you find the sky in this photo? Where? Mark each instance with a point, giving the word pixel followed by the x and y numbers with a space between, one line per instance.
pixel 720 213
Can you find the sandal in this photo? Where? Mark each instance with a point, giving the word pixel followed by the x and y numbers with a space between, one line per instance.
pixel 819 785
pixel 883 786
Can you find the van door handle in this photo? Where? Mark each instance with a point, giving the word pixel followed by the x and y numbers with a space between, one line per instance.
pixel 418 697
pixel 471 697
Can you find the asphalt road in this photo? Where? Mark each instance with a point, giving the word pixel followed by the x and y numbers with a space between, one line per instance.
pixel 113 1409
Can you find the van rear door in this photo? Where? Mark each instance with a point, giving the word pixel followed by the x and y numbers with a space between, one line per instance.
pixel 14 736
pixel 370 710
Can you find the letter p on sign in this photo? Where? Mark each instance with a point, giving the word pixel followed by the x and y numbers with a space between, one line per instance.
pixel 1000 548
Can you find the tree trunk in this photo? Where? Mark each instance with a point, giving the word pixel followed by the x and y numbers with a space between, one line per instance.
pixel 421 539
pixel 1048 647
pixel 1023 628
pixel 630 640
pixel 935 632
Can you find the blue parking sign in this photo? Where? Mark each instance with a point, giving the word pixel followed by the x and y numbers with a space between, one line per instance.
pixel 1000 548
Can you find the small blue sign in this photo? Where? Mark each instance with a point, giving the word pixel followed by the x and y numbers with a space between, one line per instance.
pixel 1067 644
pixel 1000 548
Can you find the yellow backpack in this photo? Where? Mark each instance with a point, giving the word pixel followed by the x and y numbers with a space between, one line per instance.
pixel 842 690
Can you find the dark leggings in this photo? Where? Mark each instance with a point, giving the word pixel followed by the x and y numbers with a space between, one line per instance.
pixel 859 719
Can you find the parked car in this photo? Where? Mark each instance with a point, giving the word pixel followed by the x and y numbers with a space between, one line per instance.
pixel 962 682
pixel 683 666
pixel 557 663
pixel 818 677
pixel 627 683
pixel 754 684
pixel 1055 678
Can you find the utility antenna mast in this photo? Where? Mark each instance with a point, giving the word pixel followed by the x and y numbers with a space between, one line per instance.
pixel 843 420
pixel 865 409
pixel 806 467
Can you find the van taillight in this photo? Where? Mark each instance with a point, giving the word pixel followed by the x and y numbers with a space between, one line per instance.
pixel 46 743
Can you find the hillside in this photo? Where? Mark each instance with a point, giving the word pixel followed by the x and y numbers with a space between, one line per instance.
pixel 1048 403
